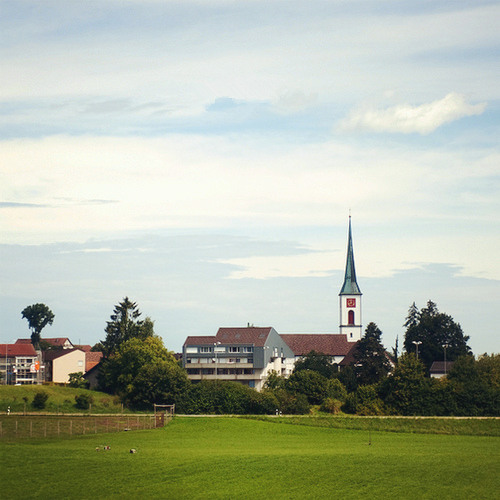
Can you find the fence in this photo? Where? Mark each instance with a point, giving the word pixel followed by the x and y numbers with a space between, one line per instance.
pixel 42 426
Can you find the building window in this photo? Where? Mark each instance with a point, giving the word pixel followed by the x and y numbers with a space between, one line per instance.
pixel 205 349
pixel 248 349
pixel 234 349
pixel 351 318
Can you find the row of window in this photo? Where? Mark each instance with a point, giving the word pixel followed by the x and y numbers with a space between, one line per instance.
pixel 218 360
pixel 225 349
pixel 220 371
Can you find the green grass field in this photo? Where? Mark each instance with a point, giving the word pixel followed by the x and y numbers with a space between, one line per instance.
pixel 61 399
pixel 243 458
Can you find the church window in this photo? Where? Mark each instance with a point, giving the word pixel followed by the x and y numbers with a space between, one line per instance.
pixel 351 318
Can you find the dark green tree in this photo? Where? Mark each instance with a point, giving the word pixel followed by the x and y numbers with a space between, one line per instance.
pixel 406 391
pixel 318 362
pixel 434 330
pixel 309 383
pixel 119 371
pixel 370 359
pixel 125 325
pixel 38 316
pixel 161 382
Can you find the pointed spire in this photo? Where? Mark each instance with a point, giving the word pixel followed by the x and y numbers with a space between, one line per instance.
pixel 350 286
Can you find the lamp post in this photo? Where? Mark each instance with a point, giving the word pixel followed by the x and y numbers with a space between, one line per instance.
pixel 417 343
pixel 444 347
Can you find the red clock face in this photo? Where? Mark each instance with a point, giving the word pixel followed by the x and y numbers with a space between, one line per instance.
pixel 351 302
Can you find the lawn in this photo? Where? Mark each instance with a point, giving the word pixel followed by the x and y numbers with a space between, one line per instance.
pixel 60 400
pixel 241 458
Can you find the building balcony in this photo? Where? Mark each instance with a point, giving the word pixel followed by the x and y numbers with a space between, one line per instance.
pixel 220 365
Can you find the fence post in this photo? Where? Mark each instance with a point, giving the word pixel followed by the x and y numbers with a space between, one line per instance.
pixel 31 428
pixel 45 429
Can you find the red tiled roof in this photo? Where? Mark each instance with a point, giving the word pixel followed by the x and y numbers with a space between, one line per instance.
pixel 84 347
pixel 251 335
pixel 244 335
pixel 202 340
pixel 16 349
pixel 57 353
pixel 92 359
pixel 330 344
pixel 58 342
pixel 349 358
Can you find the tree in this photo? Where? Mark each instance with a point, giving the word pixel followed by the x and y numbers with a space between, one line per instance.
pixel 407 390
pixel 124 325
pixel 38 316
pixel 370 360
pixel 309 383
pixel 161 382
pixel 434 330
pixel 318 362
pixel 119 371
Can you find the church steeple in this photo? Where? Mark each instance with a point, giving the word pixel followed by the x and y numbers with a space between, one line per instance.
pixel 350 297
pixel 350 286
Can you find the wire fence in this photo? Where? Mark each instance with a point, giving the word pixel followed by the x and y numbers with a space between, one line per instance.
pixel 45 426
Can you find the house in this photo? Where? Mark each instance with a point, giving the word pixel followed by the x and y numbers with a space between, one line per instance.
pixel 440 369
pixel 57 343
pixel 246 355
pixel 92 376
pixel 19 364
pixel 92 359
pixel 60 363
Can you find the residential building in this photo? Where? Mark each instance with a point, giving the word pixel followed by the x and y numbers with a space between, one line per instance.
pixel 58 343
pixel 92 359
pixel 246 355
pixel 59 363
pixel 19 364
pixel 440 369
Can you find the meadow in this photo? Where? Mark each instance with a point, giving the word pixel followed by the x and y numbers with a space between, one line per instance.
pixel 60 400
pixel 224 457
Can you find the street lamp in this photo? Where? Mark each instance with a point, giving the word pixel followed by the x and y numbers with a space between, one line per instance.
pixel 444 347
pixel 417 343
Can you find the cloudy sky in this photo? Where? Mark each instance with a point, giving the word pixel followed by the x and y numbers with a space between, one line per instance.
pixel 202 158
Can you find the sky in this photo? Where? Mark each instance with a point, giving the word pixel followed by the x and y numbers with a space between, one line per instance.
pixel 202 159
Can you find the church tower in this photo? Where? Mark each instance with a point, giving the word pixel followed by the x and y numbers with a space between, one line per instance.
pixel 350 298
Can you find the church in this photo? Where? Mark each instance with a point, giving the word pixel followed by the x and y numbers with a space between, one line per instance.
pixel 249 354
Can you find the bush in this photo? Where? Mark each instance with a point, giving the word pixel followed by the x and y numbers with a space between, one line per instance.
pixel 83 401
pixel 331 405
pixel 76 380
pixel 39 400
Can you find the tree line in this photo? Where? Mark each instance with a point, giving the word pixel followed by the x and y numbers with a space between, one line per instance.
pixel 142 371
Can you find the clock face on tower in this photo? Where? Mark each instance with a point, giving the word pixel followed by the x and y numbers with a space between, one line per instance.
pixel 351 302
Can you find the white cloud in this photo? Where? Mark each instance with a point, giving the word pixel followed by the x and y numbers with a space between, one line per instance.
pixel 407 119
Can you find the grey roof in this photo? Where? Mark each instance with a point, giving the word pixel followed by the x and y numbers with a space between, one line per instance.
pixel 350 286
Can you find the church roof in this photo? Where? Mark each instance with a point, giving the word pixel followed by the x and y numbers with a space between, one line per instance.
pixel 350 286
pixel 325 343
